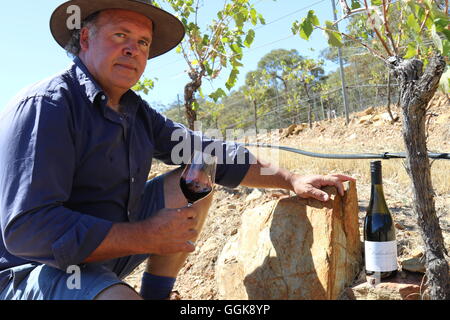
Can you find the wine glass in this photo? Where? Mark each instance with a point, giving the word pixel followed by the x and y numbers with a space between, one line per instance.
pixel 197 179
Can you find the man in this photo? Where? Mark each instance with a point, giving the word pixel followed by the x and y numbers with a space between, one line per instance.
pixel 75 151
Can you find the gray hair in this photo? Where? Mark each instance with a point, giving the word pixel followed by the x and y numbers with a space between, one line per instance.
pixel 73 45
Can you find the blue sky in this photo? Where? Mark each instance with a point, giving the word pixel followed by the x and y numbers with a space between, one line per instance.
pixel 30 54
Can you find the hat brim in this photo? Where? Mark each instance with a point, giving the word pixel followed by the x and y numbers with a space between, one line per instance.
pixel 168 31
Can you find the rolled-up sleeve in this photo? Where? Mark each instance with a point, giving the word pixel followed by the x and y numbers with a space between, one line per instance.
pixel 37 165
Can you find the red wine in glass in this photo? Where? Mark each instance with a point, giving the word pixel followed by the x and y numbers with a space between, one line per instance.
pixel 197 179
pixel 194 190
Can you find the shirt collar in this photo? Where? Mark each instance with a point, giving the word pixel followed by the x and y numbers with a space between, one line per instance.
pixel 93 89
pixel 86 80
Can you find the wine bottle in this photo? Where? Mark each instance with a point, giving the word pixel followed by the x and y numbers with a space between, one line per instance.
pixel 379 232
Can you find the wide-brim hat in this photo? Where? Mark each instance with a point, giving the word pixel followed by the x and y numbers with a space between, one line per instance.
pixel 168 31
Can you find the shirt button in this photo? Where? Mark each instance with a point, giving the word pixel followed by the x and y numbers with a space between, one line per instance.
pixel 132 179
pixel 103 97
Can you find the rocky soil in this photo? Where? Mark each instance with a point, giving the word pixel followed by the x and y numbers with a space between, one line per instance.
pixel 370 131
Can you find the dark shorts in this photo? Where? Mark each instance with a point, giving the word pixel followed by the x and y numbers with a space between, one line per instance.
pixel 40 282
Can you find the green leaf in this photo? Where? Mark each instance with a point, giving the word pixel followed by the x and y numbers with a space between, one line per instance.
pixel 236 48
pixel 306 27
pixel 441 24
pixel 205 40
pixel 235 63
pixel 239 19
pixel 377 2
pixel 216 95
pixel 261 19
pixel 446 32
pixel 249 38
pixel 429 23
pixel 421 13
pixel 429 3
pixel 313 18
pixel 232 79
pixel 254 16
pixel 334 37
pixel 208 69
pixel 413 24
pixel 446 48
pixel 355 5
pixel 412 51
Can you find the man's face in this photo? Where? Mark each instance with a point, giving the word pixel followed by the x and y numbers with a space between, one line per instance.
pixel 117 54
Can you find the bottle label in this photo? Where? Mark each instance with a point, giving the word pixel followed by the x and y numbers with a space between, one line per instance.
pixel 381 256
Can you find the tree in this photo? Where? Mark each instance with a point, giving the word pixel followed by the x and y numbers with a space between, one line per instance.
pixel 418 20
pixel 297 74
pixel 307 74
pixel 210 112
pixel 255 90
pixel 219 46
pixel 259 91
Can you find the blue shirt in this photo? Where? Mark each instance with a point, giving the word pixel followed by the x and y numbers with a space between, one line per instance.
pixel 70 166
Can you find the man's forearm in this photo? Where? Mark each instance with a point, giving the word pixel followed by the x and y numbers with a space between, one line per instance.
pixel 167 231
pixel 266 175
pixel 121 240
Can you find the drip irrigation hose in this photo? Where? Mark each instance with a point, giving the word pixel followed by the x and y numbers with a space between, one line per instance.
pixel 385 155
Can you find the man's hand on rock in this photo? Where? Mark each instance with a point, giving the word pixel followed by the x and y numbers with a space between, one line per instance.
pixel 308 186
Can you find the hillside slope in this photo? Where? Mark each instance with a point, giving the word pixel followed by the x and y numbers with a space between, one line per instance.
pixel 368 132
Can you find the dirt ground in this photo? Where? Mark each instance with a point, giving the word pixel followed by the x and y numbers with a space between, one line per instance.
pixel 367 131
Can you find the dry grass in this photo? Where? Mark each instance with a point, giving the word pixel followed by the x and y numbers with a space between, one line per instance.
pixel 393 170
pixel 364 137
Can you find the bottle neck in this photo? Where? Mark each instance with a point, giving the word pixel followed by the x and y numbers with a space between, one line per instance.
pixel 376 176
pixel 378 202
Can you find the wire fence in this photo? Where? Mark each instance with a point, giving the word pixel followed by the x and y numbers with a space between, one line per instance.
pixel 285 110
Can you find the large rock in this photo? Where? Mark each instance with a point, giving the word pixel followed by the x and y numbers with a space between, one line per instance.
pixel 293 249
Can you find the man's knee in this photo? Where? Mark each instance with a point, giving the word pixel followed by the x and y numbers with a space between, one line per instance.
pixel 173 196
pixel 118 292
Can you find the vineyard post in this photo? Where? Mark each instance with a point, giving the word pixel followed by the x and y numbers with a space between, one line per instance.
pixel 342 72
